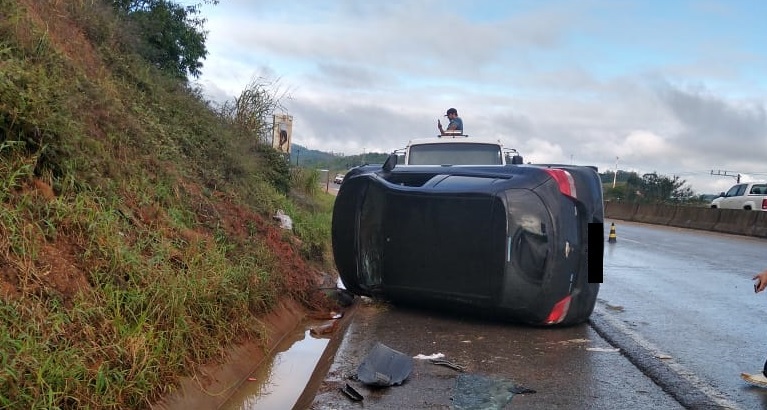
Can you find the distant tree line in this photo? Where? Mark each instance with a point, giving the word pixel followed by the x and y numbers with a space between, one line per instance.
pixel 647 188
pixel 629 186
pixel 309 158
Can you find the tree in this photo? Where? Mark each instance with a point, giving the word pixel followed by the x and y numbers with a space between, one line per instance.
pixel 660 189
pixel 168 35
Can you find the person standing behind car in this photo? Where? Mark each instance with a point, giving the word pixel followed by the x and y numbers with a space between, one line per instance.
pixel 455 124
pixel 761 283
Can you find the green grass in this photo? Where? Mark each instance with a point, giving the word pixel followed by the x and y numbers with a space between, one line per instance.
pixel 134 219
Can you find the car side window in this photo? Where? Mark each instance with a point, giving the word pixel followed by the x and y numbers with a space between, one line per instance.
pixel 734 190
pixel 759 189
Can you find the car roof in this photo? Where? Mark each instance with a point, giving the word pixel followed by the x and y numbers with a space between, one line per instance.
pixel 449 139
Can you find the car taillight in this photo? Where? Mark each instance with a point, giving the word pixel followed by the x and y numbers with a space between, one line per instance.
pixel 559 311
pixel 764 203
pixel 564 180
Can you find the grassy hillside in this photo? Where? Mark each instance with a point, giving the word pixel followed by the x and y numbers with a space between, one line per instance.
pixel 136 229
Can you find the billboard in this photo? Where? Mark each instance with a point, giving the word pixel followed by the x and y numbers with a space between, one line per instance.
pixel 282 127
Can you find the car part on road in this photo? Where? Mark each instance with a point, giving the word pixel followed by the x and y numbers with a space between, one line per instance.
pixel 448 363
pixel 474 391
pixel 384 366
pixel 349 392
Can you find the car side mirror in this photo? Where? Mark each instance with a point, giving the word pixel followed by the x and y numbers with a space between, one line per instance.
pixel 517 159
pixel 721 194
pixel 390 163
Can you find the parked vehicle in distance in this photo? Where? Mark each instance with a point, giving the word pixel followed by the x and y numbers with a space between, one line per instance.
pixel 459 223
pixel 338 179
pixel 747 195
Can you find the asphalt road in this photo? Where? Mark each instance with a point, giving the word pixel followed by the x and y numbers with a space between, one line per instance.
pixel 567 368
pixel 687 296
pixel 676 323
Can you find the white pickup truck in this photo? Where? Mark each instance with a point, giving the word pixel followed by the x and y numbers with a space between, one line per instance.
pixel 747 195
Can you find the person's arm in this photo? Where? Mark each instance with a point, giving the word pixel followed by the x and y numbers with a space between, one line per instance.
pixel 452 126
pixel 761 281
pixel 439 126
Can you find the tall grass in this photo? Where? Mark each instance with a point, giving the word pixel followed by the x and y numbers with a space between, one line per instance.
pixel 132 219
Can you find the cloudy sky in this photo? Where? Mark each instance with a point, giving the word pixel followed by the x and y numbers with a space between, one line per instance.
pixel 674 87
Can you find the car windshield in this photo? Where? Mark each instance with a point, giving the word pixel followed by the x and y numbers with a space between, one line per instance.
pixel 455 154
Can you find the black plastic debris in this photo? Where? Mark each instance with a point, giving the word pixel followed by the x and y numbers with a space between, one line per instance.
pixel 476 392
pixel 343 297
pixel 384 366
pixel 352 394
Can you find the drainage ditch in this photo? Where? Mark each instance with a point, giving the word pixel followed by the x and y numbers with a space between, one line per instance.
pixel 279 383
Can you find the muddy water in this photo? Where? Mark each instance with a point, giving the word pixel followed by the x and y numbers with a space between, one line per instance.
pixel 279 383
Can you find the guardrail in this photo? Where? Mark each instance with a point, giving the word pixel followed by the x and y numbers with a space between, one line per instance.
pixel 732 221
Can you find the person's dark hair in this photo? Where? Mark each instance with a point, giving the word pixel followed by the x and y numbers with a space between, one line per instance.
pixel 452 111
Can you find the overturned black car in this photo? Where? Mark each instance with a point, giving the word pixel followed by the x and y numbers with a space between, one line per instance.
pixel 460 221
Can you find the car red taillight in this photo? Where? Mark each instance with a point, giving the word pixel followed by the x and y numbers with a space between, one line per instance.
pixel 559 311
pixel 564 180
pixel 764 203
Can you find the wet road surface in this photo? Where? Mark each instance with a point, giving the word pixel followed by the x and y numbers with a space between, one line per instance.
pixel 566 367
pixel 687 295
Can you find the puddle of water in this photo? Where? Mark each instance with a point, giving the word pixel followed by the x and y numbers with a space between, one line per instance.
pixel 279 383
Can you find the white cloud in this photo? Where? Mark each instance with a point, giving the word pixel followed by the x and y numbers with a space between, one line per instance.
pixel 560 81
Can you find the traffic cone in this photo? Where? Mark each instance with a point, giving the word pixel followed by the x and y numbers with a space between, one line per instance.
pixel 612 238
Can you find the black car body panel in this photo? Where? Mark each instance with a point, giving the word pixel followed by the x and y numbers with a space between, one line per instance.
pixel 501 239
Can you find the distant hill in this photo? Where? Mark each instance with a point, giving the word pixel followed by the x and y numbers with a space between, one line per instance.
pixel 309 158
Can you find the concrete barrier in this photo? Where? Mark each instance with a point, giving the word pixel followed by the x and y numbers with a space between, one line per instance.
pixel 620 210
pixel 732 221
pixel 760 225
pixel 736 221
pixel 659 214
pixel 696 218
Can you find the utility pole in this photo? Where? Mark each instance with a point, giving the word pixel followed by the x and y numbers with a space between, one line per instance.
pixel 615 176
